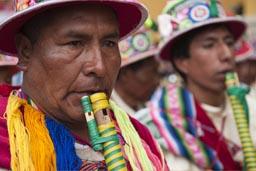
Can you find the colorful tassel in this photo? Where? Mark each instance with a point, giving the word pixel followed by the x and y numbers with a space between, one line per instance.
pixel 30 143
pixel 64 146
pixel 134 150
pixel 41 146
pixel 21 159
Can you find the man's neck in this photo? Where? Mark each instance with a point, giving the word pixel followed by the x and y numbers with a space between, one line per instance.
pixel 129 99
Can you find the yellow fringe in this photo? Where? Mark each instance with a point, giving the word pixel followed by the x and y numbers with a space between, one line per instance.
pixel 132 138
pixel 30 143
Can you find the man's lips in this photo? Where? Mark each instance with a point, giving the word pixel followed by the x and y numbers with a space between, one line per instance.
pixel 222 74
pixel 80 94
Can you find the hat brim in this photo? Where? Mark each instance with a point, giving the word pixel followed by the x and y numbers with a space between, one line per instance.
pixel 139 57
pixel 236 25
pixel 244 58
pixel 131 15
pixel 250 55
pixel 8 63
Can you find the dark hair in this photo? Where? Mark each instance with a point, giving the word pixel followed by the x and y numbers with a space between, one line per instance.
pixel 34 26
pixel 180 49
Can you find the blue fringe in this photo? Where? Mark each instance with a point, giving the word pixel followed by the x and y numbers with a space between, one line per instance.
pixel 64 145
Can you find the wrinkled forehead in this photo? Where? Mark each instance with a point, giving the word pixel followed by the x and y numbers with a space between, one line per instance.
pixel 89 9
pixel 62 16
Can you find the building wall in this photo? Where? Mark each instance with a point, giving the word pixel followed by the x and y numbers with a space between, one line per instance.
pixel 250 8
pixel 155 6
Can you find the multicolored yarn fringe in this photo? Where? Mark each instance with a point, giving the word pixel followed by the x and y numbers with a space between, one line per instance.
pixel 55 139
pixel 137 152
pixel 97 166
pixel 64 144
pixel 27 153
pixel 173 112
pixel 55 150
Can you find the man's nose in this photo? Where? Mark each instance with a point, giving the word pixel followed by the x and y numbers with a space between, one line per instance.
pixel 226 52
pixel 94 61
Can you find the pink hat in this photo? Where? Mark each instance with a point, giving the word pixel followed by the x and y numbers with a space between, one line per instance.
pixel 182 16
pixel 131 15
pixel 137 47
pixel 9 62
pixel 244 50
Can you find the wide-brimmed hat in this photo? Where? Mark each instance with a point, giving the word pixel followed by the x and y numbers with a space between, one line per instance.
pixel 131 15
pixel 181 16
pixel 244 50
pixel 137 47
pixel 10 62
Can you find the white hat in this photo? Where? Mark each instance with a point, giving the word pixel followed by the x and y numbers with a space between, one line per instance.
pixel 182 16
pixel 137 47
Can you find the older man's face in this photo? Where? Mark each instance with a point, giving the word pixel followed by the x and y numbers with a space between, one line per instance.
pixel 75 55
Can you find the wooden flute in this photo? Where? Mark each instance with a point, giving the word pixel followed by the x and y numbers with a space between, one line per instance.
pixel 236 94
pixel 106 131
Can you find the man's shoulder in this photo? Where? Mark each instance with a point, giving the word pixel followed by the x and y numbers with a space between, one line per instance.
pixel 251 102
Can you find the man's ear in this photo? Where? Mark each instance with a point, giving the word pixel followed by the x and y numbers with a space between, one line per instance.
pixel 24 48
pixel 182 64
